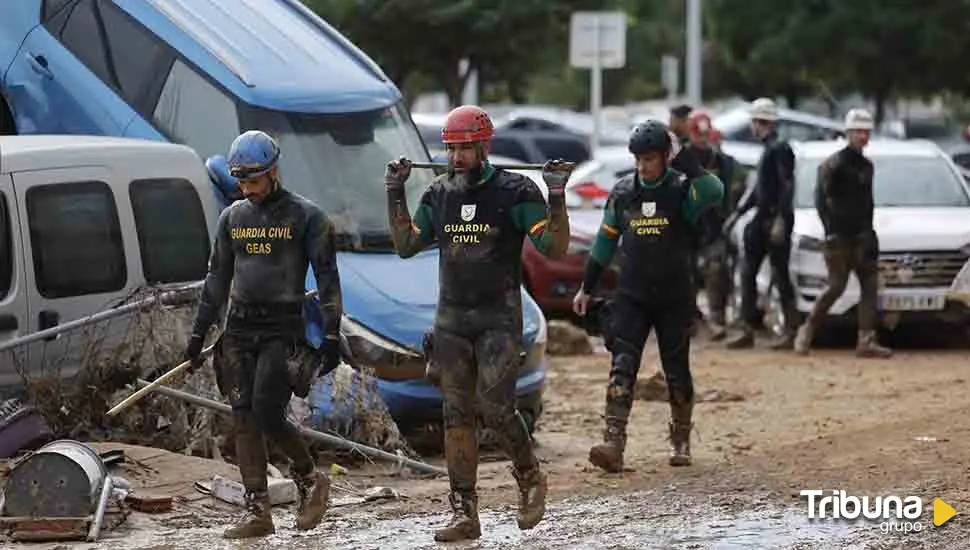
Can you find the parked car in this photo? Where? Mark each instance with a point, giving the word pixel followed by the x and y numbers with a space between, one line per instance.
pixel 538 146
pixel 739 142
pixel 554 282
pixel 559 120
pixel 200 73
pixel 84 223
pixel 591 182
pixel 922 219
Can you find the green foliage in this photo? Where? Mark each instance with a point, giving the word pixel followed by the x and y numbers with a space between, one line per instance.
pixel 881 48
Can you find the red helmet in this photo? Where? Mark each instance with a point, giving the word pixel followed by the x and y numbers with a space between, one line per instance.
pixel 699 124
pixel 467 124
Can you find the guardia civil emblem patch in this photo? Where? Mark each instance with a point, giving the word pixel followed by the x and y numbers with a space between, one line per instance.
pixel 467 212
pixel 648 208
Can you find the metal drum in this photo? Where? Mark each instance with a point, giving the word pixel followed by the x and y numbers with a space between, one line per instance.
pixel 61 479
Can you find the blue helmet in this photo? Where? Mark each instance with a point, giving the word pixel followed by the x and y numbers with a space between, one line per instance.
pixel 253 154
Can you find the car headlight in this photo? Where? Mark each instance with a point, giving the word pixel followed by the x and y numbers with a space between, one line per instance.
pixel 390 360
pixel 810 244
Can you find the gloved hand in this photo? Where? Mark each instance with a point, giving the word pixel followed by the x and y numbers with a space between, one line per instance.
pixel 331 355
pixel 555 174
pixel 777 233
pixel 397 172
pixel 193 353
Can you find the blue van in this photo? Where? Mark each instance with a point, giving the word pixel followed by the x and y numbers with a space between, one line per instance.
pixel 200 73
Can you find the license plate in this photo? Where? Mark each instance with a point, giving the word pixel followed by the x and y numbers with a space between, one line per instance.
pixel 912 303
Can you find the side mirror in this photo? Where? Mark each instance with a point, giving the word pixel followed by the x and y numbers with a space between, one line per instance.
pixel 218 169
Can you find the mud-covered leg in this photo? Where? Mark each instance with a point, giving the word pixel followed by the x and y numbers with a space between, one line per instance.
pixel 867 269
pixel 239 376
pixel 837 264
pixel 630 330
pixel 497 353
pixel 453 357
pixel 673 339
pixel 272 395
pixel 717 284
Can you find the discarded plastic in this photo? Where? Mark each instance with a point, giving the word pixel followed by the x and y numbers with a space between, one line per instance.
pixel 280 490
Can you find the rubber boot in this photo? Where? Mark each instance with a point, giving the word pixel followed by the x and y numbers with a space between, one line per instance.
pixel 787 340
pixel 464 523
pixel 868 346
pixel 609 454
pixel 258 521
pixel 461 454
pixel 744 340
pixel 803 340
pixel 314 490
pixel 717 326
pixel 680 427
pixel 533 486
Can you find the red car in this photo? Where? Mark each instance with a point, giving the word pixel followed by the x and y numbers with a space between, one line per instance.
pixel 553 283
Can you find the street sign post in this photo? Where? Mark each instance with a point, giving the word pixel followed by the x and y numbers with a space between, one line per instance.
pixel 597 41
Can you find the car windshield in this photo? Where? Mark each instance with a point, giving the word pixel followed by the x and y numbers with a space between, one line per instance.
pixel 898 181
pixel 337 161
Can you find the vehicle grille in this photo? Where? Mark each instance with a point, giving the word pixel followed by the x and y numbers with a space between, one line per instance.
pixel 920 269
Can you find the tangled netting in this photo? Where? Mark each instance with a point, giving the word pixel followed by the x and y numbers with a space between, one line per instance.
pixel 74 377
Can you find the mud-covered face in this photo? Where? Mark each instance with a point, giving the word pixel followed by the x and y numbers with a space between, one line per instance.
pixel 258 188
pixel 858 139
pixel 651 165
pixel 464 157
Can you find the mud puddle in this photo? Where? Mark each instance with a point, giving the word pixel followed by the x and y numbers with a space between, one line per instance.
pixel 641 520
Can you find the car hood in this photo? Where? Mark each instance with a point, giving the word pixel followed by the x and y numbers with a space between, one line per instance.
pixel 905 228
pixel 397 298
pixel 584 223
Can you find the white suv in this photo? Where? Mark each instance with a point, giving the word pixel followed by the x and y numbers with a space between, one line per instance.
pixel 922 218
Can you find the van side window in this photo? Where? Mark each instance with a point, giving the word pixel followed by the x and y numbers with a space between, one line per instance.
pixel 6 249
pixel 76 239
pixel 51 8
pixel 117 49
pixel 192 111
pixel 172 232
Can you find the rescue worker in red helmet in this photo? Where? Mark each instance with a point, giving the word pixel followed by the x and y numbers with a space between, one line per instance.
pixel 480 215
pixel 714 253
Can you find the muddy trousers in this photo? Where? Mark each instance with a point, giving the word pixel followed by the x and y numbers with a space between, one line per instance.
pixel 257 381
pixel 717 279
pixel 633 322
pixel 757 245
pixel 478 375
pixel 843 256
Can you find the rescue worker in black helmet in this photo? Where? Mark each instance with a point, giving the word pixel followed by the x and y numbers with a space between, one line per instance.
pixel 655 211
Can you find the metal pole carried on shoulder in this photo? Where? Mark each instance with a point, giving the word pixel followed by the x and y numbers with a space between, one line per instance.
pixel 565 166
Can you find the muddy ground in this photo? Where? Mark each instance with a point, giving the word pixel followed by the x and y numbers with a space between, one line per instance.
pixel 828 421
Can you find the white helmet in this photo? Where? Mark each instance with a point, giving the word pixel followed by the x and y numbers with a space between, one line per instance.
pixel 764 108
pixel 858 119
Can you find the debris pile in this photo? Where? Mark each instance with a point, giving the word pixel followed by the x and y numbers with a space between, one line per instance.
pixel 567 339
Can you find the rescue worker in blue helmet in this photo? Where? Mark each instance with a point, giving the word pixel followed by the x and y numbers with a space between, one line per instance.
pixel 656 211
pixel 263 246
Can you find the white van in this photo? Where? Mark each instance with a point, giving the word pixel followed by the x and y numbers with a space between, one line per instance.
pixel 86 221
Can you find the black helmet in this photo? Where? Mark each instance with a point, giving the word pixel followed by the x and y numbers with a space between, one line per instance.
pixel 651 135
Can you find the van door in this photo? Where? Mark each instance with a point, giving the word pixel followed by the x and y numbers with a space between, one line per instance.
pixel 77 263
pixel 13 301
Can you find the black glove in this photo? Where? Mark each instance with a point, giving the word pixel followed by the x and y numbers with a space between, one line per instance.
pixel 397 172
pixel 555 173
pixel 331 355
pixel 193 353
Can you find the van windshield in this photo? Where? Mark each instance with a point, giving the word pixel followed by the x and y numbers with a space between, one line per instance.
pixel 337 161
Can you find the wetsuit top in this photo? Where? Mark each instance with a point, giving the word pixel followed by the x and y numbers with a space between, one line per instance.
pixel 843 194
pixel 774 189
pixel 260 257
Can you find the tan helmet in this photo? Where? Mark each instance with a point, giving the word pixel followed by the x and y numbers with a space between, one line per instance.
pixel 858 119
pixel 764 108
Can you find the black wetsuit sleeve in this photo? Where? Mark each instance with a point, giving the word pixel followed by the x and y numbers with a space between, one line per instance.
pixel 321 251
pixel 215 290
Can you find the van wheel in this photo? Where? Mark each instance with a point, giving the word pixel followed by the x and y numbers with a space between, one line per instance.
pixel 7 127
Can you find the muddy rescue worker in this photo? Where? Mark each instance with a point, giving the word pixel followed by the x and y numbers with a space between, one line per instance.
pixel 479 216
pixel 680 123
pixel 769 232
pixel 843 199
pixel 713 244
pixel 651 216
pixel 262 248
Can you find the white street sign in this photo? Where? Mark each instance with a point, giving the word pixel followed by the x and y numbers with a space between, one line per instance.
pixel 610 26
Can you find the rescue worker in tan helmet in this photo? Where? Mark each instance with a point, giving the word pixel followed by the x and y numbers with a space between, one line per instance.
pixel 843 199
pixel 650 218
pixel 769 231
pixel 480 215
pixel 263 247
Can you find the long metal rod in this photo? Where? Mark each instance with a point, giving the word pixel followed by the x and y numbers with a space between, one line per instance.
pixel 524 166
pixel 95 530
pixel 166 297
pixel 311 434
